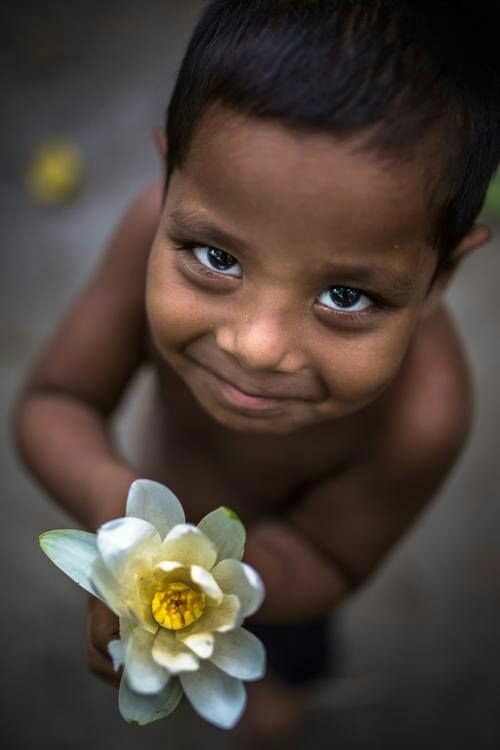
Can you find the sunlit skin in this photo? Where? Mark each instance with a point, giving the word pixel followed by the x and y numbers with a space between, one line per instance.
pixel 299 214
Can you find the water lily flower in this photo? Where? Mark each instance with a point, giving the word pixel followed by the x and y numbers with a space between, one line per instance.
pixel 181 594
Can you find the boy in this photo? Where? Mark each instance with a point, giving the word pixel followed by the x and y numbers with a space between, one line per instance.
pixel 326 163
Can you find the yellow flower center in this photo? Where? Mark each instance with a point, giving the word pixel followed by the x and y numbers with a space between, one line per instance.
pixel 176 605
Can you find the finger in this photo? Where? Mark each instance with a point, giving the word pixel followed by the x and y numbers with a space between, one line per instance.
pixel 102 668
pixel 102 627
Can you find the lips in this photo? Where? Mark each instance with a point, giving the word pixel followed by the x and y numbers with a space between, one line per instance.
pixel 241 387
pixel 243 400
pixel 250 393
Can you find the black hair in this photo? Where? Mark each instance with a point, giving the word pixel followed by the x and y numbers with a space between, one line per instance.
pixel 395 70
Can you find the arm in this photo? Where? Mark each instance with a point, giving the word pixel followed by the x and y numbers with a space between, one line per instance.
pixel 60 419
pixel 334 539
pixel 341 530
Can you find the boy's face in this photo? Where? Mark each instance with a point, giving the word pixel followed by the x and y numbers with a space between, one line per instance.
pixel 288 273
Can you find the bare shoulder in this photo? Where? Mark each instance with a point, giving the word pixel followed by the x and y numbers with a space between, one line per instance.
pixel 430 413
pixel 107 321
pixel 147 205
pixel 136 229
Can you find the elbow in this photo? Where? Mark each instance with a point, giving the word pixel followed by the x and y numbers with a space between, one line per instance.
pixel 21 427
pixel 34 417
pixel 300 584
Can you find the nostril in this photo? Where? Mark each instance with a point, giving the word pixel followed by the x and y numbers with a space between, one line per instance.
pixel 225 339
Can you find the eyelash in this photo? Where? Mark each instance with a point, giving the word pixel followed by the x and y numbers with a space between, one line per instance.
pixel 378 305
pixel 187 248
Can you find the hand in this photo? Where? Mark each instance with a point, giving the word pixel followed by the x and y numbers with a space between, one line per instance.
pixel 102 627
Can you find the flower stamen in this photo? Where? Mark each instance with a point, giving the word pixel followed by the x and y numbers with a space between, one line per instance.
pixel 176 605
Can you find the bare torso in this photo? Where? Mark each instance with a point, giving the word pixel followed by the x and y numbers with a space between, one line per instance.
pixel 260 475
pixel 351 486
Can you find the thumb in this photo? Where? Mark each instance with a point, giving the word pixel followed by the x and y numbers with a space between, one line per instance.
pixel 103 626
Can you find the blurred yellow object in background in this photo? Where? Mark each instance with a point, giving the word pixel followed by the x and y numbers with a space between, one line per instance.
pixel 56 172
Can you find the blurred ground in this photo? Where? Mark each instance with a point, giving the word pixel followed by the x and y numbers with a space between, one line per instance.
pixel 421 660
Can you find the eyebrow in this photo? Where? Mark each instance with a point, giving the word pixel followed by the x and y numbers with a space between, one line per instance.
pixel 192 226
pixel 189 225
pixel 385 280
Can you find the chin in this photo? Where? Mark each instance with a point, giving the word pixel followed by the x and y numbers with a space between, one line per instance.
pixel 251 425
pixel 261 428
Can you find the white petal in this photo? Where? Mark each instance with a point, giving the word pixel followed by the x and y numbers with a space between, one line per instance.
pixel 106 587
pixel 73 552
pixel 172 654
pixel 115 650
pixel 155 503
pixel 201 643
pixel 144 675
pixel 118 540
pixel 188 545
pixel 167 572
pixel 167 566
pixel 120 599
pixel 238 578
pixel 207 584
pixel 222 618
pixel 192 575
pixel 147 708
pixel 220 699
pixel 226 531
pixel 127 627
pixel 240 654
pixel 142 615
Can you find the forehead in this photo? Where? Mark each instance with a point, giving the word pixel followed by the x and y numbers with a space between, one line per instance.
pixel 262 177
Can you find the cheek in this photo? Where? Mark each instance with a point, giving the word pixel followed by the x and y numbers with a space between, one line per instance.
pixel 359 369
pixel 175 312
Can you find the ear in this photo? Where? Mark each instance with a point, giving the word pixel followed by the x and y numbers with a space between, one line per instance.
pixel 479 235
pixel 161 142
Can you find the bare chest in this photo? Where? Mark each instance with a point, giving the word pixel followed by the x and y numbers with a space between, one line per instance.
pixel 206 465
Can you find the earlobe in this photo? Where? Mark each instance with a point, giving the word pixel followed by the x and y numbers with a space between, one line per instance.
pixel 161 142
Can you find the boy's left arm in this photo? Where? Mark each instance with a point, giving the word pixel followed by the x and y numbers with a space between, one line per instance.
pixel 337 534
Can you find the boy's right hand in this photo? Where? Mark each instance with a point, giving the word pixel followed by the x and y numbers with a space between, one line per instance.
pixel 102 627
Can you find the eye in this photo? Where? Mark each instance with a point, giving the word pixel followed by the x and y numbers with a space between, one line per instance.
pixel 345 299
pixel 217 260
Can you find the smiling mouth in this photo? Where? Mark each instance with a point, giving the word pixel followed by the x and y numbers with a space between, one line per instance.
pixel 242 398
pixel 238 397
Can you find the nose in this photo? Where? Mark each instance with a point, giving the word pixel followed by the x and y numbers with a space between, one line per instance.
pixel 262 339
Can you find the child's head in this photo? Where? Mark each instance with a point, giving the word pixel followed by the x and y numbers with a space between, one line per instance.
pixel 417 79
pixel 325 158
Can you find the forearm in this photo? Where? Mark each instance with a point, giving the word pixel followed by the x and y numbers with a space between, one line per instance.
pixel 64 443
pixel 300 583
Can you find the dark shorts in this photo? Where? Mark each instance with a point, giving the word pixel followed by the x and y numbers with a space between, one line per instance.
pixel 298 653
